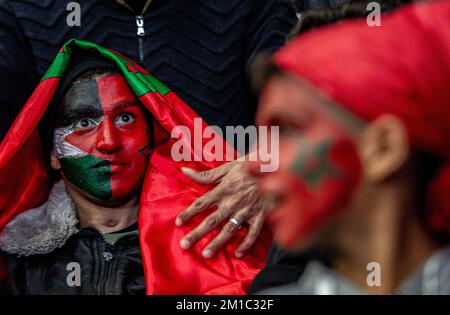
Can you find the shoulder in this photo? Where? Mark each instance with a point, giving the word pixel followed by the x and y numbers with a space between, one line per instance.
pixel 42 229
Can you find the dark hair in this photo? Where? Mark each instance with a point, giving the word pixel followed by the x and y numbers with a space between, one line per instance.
pixel 261 70
pixel 262 67
pixel 314 18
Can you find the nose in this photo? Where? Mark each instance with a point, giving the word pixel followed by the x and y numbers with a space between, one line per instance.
pixel 107 139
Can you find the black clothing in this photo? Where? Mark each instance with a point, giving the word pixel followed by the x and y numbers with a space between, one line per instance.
pixel 104 269
pixel 285 268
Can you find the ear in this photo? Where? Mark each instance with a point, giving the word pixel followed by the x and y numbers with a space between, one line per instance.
pixel 54 162
pixel 384 148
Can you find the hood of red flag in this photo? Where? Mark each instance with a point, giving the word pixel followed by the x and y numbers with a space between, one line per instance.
pixel 166 191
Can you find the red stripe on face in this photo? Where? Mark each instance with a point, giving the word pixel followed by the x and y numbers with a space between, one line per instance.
pixel 128 163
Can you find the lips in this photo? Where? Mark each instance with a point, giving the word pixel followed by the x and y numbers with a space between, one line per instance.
pixel 113 163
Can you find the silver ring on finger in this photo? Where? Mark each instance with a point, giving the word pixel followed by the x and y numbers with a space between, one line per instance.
pixel 236 223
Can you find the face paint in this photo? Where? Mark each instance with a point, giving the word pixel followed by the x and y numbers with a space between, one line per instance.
pixel 319 164
pixel 103 143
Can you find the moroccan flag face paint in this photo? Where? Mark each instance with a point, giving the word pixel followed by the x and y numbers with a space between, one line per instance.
pixel 319 164
pixel 102 139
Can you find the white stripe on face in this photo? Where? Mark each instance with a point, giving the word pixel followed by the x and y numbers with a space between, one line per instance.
pixel 63 148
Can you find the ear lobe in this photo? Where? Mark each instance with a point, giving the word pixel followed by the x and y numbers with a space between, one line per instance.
pixel 384 148
pixel 54 162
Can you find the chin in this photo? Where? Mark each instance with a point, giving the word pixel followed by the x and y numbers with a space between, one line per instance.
pixel 294 242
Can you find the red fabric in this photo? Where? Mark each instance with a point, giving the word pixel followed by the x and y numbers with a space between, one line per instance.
pixel 24 184
pixel 401 68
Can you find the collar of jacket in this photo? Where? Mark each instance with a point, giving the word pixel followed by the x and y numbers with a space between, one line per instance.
pixel 43 229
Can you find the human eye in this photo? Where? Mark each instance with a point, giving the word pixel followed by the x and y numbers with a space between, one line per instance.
pixel 84 124
pixel 124 119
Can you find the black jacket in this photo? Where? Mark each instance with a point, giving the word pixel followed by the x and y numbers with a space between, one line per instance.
pixel 200 49
pixel 103 269
pixel 48 253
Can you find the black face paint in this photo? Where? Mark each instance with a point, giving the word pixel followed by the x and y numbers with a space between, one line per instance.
pixel 81 101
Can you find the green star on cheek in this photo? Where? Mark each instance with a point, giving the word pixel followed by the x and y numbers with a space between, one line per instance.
pixel 94 181
pixel 314 167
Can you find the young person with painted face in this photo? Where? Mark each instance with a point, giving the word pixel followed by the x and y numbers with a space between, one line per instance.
pixel 98 139
pixel 364 158
pixel 97 132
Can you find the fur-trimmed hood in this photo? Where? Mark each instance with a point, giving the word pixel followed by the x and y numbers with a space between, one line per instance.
pixel 43 229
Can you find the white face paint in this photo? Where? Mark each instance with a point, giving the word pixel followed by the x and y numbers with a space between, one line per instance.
pixel 64 149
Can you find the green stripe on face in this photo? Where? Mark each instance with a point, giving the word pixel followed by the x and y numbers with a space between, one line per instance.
pixel 84 174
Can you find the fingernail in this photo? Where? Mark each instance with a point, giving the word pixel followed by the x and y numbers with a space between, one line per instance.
pixel 239 255
pixel 178 222
pixel 185 244
pixel 207 253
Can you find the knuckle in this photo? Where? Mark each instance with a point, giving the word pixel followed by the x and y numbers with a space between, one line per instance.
pixel 224 211
pixel 230 228
pixel 204 175
pixel 192 237
pixel 211 222
pixel 214 245
pixel 198 204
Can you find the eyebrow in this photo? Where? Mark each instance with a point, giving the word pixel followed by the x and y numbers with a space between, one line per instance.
pixel 124 104
pixel 73 114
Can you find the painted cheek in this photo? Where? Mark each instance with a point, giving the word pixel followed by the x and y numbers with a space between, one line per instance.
pixel 85 141
pixel 322 180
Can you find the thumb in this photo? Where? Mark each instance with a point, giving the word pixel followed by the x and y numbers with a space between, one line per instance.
pixel 202 177
pixel 205 177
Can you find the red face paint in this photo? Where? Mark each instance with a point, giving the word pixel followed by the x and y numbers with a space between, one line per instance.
pixel 113 132
pixel 319 164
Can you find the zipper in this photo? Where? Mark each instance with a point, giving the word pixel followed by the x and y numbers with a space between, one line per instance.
pixel 107 257
pixel 140 36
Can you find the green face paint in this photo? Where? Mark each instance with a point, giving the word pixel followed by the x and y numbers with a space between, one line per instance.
pixel 90 174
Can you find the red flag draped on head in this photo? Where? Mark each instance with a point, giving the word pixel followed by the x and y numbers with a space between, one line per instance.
pixel 25 184
pixel 400 68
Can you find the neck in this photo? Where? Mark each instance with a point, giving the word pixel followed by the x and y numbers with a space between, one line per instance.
pixel 106 219
pixel 386 232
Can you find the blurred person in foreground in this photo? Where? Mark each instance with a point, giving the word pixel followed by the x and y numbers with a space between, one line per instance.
pixel 364 171
pixel 283 267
